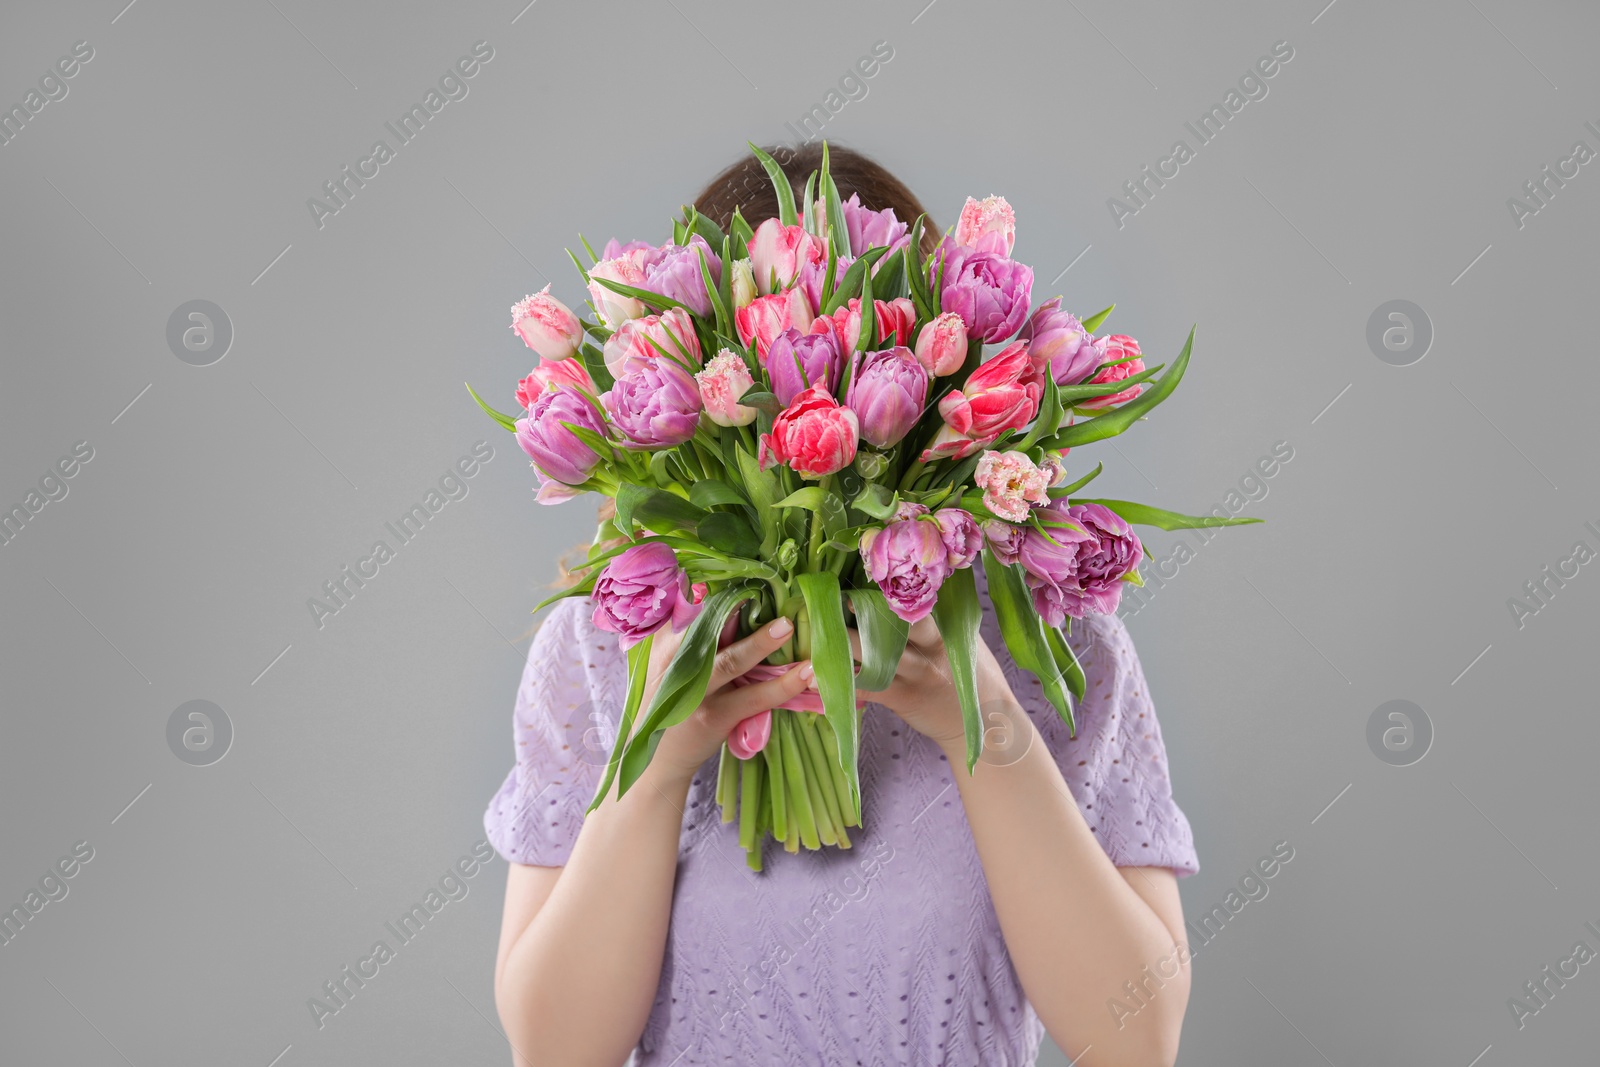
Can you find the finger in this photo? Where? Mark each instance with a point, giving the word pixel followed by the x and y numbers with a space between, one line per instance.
pixel 744 654
pixel 740 702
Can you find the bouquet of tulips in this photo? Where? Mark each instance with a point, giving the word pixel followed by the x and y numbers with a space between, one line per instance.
pixel 798 418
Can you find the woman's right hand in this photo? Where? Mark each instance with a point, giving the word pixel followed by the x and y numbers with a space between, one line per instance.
pixel 684 748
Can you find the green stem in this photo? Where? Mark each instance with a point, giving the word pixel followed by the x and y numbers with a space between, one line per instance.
pixel 825 782
pixel 727 785
pixel 799 797
pixel 850 814
pixel 913 472
pixel 776 787
pixel 749 802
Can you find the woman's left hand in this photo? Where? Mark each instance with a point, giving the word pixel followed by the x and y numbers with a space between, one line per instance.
pixel 923 692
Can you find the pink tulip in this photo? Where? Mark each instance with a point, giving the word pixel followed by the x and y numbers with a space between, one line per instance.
pixel 636 340
pixel 569 372
pixel 895 318
pixel 1011 484
pixel 1112 348
pixel 768 316
pixel 777 252
pixel 997 397
pixel 980 218
pixel 814 435
pixel 546 325
pixel 942 344
pixel 627 268
pixel 722 383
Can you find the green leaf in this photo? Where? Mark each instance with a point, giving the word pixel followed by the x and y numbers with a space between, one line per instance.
pixel 1071 394
pixel 811 498
pixel 920 296
pixel 1092 323
pixel 709 492
pixel 1068 490
pixel 654 300
pixel 506 421
pixel 740 231
pixel 723 316
pixel 835 667
pixel 638 669
pixel 850 285
pixel 655 509
pixel 666 512
pixel 883 639
pixel 598 444
pixel 838 232
pixel 579 265
pixel 957 614
pixel 1067 665
pixel 707 229
pixel 1145 515
pixel 582 588
pixel 1114 422
pixel 878 501
pixel 683 683
pixel 729 532
pixel 780 186
pixel 594 361
pixel 808 217
pixel 761 399
pixel 1050 413
pixel 1023 631
pixel 890 281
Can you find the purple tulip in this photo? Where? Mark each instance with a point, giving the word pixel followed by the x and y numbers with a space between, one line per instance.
pixel 888 392
pixel 959 532
pixel 809 280
pixel 615 248
pixel 1005 540
pixel 988 291
pixel 908 561
pixel 560 458
pixel 641 591
pixel 1057 338
pixel 1082 571
pixel 796 361
pixel 674 271
pixel 654 404
pixel 873 229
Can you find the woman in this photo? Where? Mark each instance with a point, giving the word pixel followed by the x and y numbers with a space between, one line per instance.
pixel 973 914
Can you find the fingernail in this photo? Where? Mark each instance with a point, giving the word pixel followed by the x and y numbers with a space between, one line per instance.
pixel 780 629
pixel 807 673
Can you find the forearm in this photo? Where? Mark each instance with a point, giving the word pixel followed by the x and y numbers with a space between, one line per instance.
pixel 1076 931
pixel 578 985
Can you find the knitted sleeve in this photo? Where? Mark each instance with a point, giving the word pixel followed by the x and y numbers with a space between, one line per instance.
pixel 564 722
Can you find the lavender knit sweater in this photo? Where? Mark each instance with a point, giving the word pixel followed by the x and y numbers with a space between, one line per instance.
pixel 888 953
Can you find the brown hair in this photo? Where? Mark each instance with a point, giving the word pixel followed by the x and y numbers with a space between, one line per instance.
pixel 745 186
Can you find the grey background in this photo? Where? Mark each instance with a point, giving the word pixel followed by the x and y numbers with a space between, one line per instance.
pixel 178 566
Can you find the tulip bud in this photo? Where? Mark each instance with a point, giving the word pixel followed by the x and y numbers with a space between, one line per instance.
pixel 722 383
pixel 888 392
pixel 871 465
pixel 942 344
pixel 788 554
pixel 991 215
pixel 546 325
pixel 743 284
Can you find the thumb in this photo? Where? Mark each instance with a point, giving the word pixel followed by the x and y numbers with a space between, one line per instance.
pixel 734 703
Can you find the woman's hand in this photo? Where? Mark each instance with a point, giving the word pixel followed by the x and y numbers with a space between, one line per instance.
pixel 923 692
pixel 686 746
